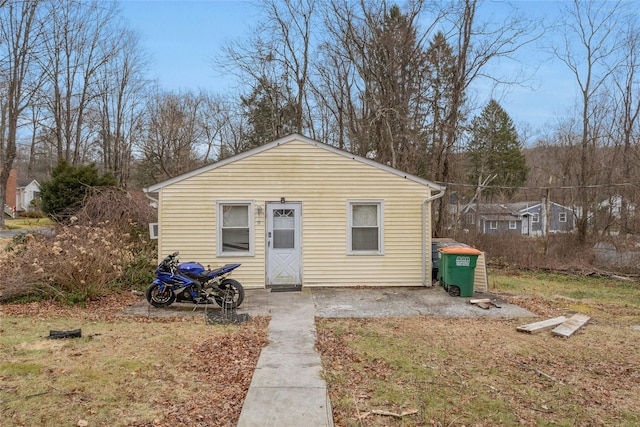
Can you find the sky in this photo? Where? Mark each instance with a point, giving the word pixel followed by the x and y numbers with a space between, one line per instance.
pixel 183 38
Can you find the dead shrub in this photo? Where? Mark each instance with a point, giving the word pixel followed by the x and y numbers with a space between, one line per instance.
pixel 556 252
pixel 105 246
pixel 121 208
pixel 78 263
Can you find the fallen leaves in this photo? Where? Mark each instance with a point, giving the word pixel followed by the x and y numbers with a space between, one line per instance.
pixel 206 388
pixel 223 369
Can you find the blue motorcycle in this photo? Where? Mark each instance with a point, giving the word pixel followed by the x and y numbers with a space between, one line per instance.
pixel 190 282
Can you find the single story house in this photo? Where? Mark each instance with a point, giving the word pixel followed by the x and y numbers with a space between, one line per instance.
pixel 526 218
pixel 25 195
pixel 300 212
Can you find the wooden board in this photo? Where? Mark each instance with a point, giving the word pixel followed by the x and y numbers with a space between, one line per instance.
pixel 533 328
pixel 571 325
pixel 480 300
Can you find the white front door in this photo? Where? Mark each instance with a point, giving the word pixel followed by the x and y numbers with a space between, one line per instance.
pixel 283 244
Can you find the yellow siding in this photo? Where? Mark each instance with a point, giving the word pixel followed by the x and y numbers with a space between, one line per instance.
pixel 322 181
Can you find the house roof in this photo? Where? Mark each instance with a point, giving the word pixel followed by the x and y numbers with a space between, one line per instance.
pixel 27 183
pixel 285 140
pixel 512 209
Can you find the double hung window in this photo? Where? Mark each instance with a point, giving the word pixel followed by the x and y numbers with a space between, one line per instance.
pixel 365 230
pixel 235 228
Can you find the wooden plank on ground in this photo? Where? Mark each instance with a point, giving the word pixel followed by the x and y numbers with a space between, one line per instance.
pixel 479 300
pixel 571 325
pixel 533 328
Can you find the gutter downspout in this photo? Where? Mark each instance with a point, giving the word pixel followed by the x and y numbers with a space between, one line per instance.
pixel 155 203
pixel 429 199
pixel 146 193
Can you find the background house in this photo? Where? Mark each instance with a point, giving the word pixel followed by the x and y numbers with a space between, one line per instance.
pixel 297 211
pixel 19 197
pixel 25 196
pixel 526 218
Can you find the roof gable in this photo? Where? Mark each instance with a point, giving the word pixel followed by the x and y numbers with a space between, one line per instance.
pixel 285 140
pixel 33 184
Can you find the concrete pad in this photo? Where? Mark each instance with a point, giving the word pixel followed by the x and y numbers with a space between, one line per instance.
pixel 299 370
pixel 404 302
pixel 291 341
pixel 286 407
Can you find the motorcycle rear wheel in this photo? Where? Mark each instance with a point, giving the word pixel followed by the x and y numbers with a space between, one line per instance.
pixel 231 296
pixel 160 298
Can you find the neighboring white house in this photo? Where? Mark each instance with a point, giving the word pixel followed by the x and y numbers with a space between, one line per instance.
pixel 25 195
pixel 300 212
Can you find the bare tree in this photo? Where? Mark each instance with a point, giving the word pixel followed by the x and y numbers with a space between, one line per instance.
pixel 174 135
pixel 627 109
pixel 476 44
pixel 373 79
pixel 78 47
pixel 274 64
pixel 591 53
pixel 119 106
pixel 214 116
pixel 20 39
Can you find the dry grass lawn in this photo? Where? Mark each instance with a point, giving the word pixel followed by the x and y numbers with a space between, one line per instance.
pixel 123 371
pixel 422 371
pixel 429 371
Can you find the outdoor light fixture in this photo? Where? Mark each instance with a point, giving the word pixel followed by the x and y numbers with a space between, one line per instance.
pixel 282 200
pixel 259 214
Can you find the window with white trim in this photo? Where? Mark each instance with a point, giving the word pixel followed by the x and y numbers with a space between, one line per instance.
pixel 513 225
pixel 493 225
pixel 562 217
pixel 365 229
pixel 235 228
pixel 535 217
pixel 153 230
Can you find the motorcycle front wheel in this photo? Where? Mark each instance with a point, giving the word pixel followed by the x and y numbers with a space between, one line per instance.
pixel 160 298
pixel 232 294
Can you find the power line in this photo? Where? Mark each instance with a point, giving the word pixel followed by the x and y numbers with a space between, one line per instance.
pixel 546 187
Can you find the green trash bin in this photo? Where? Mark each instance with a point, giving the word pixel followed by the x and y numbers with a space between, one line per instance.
pixel 457 270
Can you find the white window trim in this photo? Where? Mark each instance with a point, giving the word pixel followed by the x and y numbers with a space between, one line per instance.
pixel 561 215
pixel 513 225
pixel 493 225
pixel 380 205
pixel 535 217
pixel 250 207
pixel 153 230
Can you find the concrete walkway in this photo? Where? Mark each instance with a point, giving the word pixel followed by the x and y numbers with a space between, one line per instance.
pixel 287 389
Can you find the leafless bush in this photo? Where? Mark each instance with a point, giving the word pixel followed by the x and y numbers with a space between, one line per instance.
pixel 78 263
pixel 116 208
pixel 106 246
pixel 557 251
